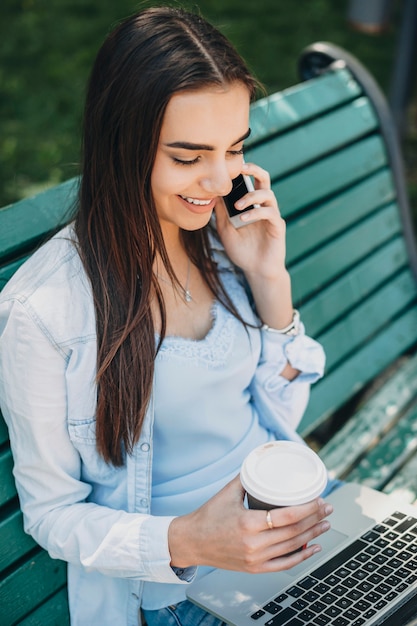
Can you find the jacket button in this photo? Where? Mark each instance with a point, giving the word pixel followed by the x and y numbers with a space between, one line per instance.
pixel 145 447
pixel 144 502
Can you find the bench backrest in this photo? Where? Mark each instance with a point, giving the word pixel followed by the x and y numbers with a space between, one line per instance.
pixel 335 167
pixel 330 147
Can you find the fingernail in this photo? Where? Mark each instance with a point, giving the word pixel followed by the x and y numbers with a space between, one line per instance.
pixel 328 509
pixel 245 166
pixel 316 549
pixel 240 203
pixel 325 526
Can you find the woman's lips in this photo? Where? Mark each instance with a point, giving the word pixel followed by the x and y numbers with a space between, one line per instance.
pixel 198 205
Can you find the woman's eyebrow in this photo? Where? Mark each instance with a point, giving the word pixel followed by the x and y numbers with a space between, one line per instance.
pixel 187 145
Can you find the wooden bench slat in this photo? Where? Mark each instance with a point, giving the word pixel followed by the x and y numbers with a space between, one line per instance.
pixel 382 462
pixel 313 183
pixel 30 585
pixel 336 388
pixel 312 273
pixel 319 137
pixel 404 484
pixel 4 435
pixel 7 486
pixel 14 542
pixel 331 218
pixel 8 270
pixel 350 289
pixel 54 612
pixel 29 220
pixel 300 102
pixel 370 421
pixel 366 319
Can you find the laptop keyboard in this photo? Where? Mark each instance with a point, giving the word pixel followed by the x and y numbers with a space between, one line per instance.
pixel 351 587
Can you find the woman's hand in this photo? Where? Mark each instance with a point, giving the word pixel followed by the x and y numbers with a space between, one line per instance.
pixel 259 250
pixel 223 534
pixel 258 247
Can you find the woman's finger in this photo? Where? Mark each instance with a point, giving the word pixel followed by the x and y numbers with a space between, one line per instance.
pixel 291 519
pixel 262 197
pixel 261 176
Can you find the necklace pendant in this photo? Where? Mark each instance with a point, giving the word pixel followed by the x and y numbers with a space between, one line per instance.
pixel 187 296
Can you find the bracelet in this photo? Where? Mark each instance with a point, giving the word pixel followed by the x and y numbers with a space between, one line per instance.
pixel 292 329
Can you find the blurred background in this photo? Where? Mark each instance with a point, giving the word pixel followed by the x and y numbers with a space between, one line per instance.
pixel 47 48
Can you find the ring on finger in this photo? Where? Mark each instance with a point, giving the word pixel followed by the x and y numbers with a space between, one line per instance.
pixel 269 520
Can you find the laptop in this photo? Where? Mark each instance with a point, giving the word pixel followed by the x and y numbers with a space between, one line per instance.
pixel 365 575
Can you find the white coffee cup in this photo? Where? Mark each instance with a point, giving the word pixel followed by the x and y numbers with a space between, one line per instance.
pixel 282 473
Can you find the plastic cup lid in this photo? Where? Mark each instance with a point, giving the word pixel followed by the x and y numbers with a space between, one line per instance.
pixel 283 473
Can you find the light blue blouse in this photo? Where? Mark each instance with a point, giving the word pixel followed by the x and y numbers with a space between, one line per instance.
pixel 205 420
pixel 100 519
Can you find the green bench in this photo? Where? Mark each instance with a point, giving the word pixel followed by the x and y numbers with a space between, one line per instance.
pixel 336 168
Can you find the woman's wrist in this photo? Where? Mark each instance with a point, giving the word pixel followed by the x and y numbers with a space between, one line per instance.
pixel 273 300
pixel 180 542
pixel 292 329
pixel 273 278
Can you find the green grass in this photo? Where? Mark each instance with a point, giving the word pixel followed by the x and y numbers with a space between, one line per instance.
pixel 47 48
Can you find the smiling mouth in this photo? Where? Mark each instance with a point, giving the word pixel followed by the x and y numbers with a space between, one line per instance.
pixel 196 202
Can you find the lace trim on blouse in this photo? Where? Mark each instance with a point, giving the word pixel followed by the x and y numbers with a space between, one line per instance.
pixel 215 347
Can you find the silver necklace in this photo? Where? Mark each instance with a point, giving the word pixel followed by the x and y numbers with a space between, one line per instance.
pixel 185 291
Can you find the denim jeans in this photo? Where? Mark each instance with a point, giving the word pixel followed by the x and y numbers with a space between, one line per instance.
pixel 182 614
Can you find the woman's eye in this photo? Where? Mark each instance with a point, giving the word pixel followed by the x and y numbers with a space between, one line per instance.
pixel 237 152
pixel 185 161
pixel 179 161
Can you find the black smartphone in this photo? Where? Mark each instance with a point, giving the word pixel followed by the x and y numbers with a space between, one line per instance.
pixel 241 185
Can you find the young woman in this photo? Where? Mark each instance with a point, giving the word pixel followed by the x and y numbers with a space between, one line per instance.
pixel 136 372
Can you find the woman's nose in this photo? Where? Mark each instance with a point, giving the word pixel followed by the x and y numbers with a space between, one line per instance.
pixel 218 181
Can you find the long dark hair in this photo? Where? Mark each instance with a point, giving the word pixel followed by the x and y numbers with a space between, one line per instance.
pixel 146 60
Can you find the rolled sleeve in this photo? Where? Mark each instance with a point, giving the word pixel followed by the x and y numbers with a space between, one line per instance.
pixel 155 553
pixel 301 352
pixel 281 403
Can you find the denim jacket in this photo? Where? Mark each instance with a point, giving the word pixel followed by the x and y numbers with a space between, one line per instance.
pixel 80 509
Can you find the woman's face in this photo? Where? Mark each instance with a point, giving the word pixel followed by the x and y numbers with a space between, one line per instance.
pixel 200 151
